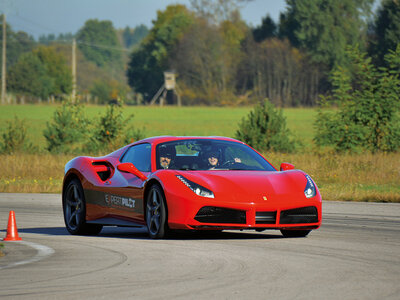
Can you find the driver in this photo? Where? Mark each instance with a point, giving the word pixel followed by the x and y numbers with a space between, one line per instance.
pixel 167 154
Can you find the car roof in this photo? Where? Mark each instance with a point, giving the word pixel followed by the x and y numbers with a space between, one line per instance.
pixel 168 138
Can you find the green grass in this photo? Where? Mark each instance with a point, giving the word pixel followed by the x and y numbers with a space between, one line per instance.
pixel 220 121
pixel 300 121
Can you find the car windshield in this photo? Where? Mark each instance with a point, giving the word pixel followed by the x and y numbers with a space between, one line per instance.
pixel 209 154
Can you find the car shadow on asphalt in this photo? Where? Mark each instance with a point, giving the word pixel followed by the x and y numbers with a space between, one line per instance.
pixel 141 233
pixel 45 230
pixel 224 235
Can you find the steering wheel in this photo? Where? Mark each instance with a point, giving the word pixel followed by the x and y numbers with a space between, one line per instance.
pixel 228 163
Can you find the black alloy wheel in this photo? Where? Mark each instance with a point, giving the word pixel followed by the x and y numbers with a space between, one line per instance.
pixel 156 213
pixel 74 208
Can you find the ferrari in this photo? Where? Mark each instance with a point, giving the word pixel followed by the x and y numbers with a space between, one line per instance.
pixel 188 183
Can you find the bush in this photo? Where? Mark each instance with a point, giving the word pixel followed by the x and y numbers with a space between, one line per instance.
pixel 110 132
pixel 14 138
pixel 68 129
pixel 367 117
pixel 71 132
pixel 133 134
pixel 265 129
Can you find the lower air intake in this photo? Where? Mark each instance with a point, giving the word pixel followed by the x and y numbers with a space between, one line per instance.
pixel 307 214
pixel 212 214
pixel 265 217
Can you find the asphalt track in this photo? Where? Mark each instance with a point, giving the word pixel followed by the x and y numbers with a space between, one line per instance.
pixel 354 255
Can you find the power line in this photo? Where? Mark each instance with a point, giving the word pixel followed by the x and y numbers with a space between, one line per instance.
pixel 33 23
pixel 103 46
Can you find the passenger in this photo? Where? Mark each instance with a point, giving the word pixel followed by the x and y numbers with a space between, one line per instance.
pixel 213 160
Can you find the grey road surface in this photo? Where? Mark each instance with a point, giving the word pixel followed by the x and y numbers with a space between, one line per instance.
pixel 354 255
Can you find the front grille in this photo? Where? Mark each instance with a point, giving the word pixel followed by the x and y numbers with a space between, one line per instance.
pixel 212 214
pixel 307 214
pixel 265 217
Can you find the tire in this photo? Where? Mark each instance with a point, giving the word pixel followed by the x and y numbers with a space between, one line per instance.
pixel 74 209
pixel 156 213
pixel 294 233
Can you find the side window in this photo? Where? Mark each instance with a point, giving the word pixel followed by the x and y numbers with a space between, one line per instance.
pixel 140 156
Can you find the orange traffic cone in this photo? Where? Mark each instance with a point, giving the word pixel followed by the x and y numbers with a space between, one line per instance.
pixel 12 231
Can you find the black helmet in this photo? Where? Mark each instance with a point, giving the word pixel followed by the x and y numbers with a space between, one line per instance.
pixel 213 154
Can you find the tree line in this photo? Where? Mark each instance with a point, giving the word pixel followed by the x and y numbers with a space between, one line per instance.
pixel 218 58
pixel 41 70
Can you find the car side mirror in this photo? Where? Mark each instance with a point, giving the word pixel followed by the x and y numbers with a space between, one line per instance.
pixel 130 168
pixel 286 167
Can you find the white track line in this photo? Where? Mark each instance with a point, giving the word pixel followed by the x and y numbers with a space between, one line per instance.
pixel 42 252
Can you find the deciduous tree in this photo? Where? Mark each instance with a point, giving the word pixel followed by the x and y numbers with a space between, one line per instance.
pixel 147 64
pixel 99 43
pixel 207 60
pixel 276 70
pixel 57 69
pixel 40 73
pixel 217 11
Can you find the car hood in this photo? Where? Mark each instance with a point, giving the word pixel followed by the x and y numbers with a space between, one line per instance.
pixel 255 185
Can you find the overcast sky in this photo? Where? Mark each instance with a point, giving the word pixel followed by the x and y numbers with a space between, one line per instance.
pixel 37 17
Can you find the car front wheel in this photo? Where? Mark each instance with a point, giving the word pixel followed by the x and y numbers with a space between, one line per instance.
pixel 156 213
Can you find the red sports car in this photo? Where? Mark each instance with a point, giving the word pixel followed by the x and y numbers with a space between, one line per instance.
pixel 195 183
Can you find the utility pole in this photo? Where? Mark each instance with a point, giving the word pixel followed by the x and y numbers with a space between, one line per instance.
pixel 73 69
pixel 3 65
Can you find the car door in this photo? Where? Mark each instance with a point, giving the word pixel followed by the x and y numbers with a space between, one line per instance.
pixel 125 190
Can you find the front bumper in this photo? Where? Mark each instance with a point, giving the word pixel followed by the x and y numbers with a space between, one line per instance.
pixel 200 213
pixel 219 217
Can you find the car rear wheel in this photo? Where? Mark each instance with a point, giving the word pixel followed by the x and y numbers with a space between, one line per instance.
pixel 156 213
pixel 74 208
pixel 295 233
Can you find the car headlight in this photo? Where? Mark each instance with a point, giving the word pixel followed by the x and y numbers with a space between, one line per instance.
pixel 310 190
pixel 196 188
